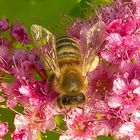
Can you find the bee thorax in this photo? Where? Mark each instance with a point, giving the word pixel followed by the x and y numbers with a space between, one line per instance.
pixel 72 82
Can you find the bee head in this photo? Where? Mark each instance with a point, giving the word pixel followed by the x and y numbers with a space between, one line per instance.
pixel 67 100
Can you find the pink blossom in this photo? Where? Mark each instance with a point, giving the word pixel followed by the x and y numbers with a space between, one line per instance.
pixel 37 94
pixel 119 9
pixel 114 102
pixel 125 131
pixel 19 33
pixel 130 70
pixel 32 123
pixel 107 118
pixel 101 80
pixel 3 129
pixel 24 90
pixel 4 42
pixel 125 95
pixel 119 48
pixel 79 125
pixel 11 101
pixel 122 27
pixel 4 25
pixel 130 129
pixel 75 29
pixel 20 134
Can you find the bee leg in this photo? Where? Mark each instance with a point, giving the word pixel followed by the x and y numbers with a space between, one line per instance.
pixel 80 107
pixel 69 110
pixel 50 83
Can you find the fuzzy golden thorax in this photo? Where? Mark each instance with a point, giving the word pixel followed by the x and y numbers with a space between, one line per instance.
pixel 71 81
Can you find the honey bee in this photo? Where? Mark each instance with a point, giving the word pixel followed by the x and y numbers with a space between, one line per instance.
pixel 70 66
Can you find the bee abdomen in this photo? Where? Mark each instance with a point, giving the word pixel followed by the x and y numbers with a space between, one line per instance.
pixel 68 51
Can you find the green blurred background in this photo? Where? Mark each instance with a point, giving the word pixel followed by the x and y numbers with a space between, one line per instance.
pixel 53 14
pixel 45 12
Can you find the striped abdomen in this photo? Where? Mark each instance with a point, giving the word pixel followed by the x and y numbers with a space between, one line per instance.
pixel 68 51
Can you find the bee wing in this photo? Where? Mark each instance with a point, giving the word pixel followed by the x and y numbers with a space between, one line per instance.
pixel 46 47
pixel 95 38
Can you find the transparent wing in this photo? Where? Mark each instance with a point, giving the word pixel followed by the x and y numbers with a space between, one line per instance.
pixel 95 38
pixel 46 47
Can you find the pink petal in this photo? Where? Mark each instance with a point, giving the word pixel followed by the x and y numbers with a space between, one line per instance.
pixel 21 121
pixel 137 91
pixel 4 24
pixel 136 116
pixel 65 137
pixel 114 102
pixel 119 85
pixel 135 83
pixel 11 101
pixel 130 108
pixel 1 99
pixel 127 128
pixel 3 129
pixel 24 90
pixel 33 134
pixel 50 124
pixel 20 134
pixel 107 55
pixel 114 39
pixel 34 101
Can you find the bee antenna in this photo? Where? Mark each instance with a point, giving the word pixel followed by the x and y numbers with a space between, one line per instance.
pixel 82 108
pixel 69 110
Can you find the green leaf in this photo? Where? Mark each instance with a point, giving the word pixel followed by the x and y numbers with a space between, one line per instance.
pixel 37 76
pixel 8 78
pixel 26 47
pixel 3 106
pixel 59 120
pixel 39 136
pixel 85 8
pixel 105 138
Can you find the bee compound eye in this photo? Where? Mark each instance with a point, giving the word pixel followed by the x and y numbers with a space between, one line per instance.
pixel 80 98
pixel 66 100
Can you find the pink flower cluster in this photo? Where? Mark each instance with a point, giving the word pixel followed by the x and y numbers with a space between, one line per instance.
pixel 113 104
pixel 21 84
